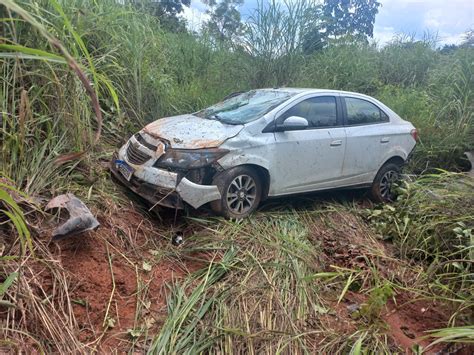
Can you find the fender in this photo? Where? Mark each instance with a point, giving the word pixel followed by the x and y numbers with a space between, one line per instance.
pixel 396 151
pixel 248 149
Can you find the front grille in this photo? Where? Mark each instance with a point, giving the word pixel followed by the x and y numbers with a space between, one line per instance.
pixel 135 156
pixel 142 140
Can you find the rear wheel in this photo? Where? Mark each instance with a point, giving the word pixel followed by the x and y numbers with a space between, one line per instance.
pixel 240 189
pixel 383 187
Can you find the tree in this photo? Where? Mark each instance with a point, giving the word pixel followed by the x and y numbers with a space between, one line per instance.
pixel 313 36
pixel 167 11
pixel 350 17
pixel 313 41
pixel 225 20
pixel 468 39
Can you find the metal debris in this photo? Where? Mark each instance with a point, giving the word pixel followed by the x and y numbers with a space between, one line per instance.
pixel 177 239
pixel 353 307
pixel 80 220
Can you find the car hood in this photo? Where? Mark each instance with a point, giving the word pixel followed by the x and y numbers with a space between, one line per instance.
pixel 192 132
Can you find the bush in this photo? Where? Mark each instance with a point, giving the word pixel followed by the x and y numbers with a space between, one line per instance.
pixel 351 67
pixel 407 62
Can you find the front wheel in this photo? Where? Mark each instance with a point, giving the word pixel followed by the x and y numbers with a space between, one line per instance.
pixel 241 191
pixel 383 187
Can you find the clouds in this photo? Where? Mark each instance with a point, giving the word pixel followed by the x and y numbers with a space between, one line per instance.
pixel 195 15
pixel 449 19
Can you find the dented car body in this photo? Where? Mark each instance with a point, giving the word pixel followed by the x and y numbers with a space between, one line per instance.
pixel 284 141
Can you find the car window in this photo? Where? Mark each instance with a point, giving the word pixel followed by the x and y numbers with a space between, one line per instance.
pixel 319 111
pixel 245 107
pixel 363 112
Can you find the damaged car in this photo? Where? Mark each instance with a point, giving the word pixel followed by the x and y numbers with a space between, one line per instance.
pixel 267 143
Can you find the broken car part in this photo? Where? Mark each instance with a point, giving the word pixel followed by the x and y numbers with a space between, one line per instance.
pixel 189 158
pixel 80 217
pixel 163 187
pixel 177 239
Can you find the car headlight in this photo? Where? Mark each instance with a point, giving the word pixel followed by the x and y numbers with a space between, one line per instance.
pixel 190 158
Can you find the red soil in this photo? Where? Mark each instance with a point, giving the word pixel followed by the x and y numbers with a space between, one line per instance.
pixel 347 244
pixel 125 239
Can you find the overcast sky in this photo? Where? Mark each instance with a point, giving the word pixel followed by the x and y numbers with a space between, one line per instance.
pixel 448 18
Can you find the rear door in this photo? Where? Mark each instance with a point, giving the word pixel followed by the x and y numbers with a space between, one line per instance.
pixel 368 139
pixel 311 158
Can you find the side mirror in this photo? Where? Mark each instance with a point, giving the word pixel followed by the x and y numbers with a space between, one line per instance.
pixel 293 123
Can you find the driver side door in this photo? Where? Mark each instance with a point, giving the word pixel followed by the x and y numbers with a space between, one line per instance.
pixel 311 158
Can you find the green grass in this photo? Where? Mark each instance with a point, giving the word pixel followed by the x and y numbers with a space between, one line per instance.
pixel 253 289
pixel 432 221
pixel 273 287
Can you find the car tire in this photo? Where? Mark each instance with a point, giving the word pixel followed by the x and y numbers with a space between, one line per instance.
pixel 382 187
pixel 241 191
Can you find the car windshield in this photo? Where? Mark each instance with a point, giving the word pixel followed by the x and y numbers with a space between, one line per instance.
pixel 245 107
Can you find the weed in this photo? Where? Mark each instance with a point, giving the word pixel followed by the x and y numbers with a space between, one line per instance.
pixel 377 300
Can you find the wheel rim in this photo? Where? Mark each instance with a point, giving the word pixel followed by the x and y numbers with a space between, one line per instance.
pixel 387 182
pixel 241 194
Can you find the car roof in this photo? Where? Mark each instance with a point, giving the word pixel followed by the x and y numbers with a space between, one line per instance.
pixel 302 91
pixel 310 90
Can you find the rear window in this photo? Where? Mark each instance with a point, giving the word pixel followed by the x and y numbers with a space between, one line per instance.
pixel 363 112
pixel 245 107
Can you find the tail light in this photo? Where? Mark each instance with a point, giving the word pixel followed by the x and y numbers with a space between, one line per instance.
pixel 414 134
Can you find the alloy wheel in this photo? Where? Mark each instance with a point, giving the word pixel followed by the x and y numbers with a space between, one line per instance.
pixel 241 194
pixel 387 183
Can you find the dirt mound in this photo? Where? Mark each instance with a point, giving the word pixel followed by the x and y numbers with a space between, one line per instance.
pixel 408 321
pixel 117 277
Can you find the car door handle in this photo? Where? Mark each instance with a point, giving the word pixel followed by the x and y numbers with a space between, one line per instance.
pixel 336 143
pixel 384 140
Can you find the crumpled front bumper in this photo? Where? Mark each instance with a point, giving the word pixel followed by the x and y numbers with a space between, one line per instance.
pixel 165 188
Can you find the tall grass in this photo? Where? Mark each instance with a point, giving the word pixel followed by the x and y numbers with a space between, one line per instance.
pixel 351 67
pixel 140 73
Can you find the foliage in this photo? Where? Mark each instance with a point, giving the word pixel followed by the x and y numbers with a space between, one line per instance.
pixel 406 61
pixel 272 264
pixel 463 335
pixel 225 21
pixel 167 12
pixel 432 221
pixel 354 18
pixel 14 216
pixel 378 298
pixel 139 80
pixel 264 293
pixel 186 311
pixel 274 38
pixel 351 67
pixel 431 216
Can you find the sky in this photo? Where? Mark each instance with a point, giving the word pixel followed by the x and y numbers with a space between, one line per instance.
pixel 449 19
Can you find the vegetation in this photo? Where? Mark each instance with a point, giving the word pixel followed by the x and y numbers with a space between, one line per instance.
pixel 78 77
pixel 432 221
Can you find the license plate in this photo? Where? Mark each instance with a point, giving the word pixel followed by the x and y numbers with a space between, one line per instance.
pixel 125 169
